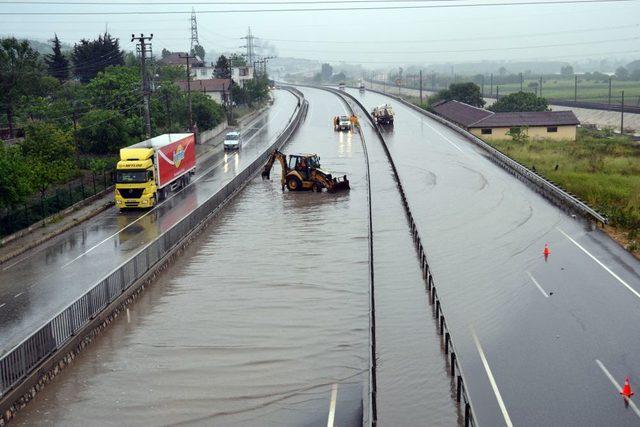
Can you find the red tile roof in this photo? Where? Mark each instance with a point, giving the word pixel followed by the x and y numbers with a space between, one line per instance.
pixel 473 117
pixel 528 118
pixel 206 85
pixel 460 113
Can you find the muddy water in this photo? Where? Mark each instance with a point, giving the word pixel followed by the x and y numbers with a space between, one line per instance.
pixel 252 325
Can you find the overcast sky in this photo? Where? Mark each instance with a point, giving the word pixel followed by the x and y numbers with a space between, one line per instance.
pixel 430 35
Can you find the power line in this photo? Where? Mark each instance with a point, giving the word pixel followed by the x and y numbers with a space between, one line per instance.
pixel 411 52
pixel 324 9
pixel 544 34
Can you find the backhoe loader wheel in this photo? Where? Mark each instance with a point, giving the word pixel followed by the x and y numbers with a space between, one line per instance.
pixel 317 187
pixel 293 184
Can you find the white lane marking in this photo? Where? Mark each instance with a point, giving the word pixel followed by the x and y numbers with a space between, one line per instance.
pixel 13 263
pixel 200 176
pixel 600 263
pixel 17 295
pixel 618 387
pixel 2 305
pixel 422 119
pixel 492 380
pixel 332 405
pixel 535 282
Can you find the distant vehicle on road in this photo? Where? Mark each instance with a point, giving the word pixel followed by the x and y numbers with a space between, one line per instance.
pixel 383 115
pixel 232 141
pixel 361 86
pixel 342 123
pixel 341 86
pixel 148 170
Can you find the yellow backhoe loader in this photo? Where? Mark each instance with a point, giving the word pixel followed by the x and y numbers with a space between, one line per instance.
pixel 303 172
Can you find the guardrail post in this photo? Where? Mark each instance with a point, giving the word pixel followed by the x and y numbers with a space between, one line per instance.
pixel 453 363
pixel 467 415
pixel 446 343
pixel 459 389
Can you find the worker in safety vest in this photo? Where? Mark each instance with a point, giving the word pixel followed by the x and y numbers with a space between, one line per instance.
pixel 336 120
pixel 353 119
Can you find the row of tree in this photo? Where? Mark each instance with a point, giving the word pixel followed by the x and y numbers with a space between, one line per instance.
pixel 469 93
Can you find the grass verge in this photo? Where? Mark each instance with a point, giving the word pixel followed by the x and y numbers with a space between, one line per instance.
pixel 600 168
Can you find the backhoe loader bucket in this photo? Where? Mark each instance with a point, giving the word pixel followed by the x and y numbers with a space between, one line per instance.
pixel 339 184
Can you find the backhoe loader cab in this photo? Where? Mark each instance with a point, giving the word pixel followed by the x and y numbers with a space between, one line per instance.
pixel 303 172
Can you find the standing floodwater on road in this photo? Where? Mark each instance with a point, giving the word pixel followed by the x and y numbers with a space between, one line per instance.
pixel 264 312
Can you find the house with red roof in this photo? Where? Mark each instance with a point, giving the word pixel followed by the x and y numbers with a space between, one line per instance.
pixel 485 124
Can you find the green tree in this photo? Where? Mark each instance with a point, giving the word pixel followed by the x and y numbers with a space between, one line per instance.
pixel 566 70
pixel 91 57
pixel 165 52
pixel 206 112
pixel 20 72
pixel 57 63
pixel 237 60
pixel 116 88
pixel 519 134
pixel 326 71
pixel 198 51
pixel 15 182
pixel 622 73
pixel 170 73
pixel 469 93
pixel 520 101
pixel 222 69
pixel 102 132
pixel 50 155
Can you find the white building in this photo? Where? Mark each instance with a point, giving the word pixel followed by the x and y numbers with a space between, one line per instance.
pixel 238 74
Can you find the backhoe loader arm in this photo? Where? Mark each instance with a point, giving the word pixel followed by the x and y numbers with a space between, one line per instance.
pixel 276 155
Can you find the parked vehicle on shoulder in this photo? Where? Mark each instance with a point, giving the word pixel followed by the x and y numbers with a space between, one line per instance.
pixel 383 115
pixel 341 86
pixel 232 141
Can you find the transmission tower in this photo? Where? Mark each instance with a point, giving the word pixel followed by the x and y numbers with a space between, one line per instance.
pixel 194 30
pixel 250 55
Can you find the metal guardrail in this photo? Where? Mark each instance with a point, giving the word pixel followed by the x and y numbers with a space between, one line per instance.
pixel 24 358
pixel 456 372
pixel 547 188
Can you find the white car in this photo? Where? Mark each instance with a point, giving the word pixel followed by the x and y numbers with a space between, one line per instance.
pixel 232 141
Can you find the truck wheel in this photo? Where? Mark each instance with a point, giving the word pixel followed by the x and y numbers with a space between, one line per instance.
pixel 293 184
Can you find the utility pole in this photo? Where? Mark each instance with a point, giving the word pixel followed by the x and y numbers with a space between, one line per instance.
pixel 188 57
pixel 491 85
pixel 575 88
pixel 497 93
pixel 609 90
pixel 540 85
pixel 420 86
pixel 622 115
pixel 521 81
pixel 482 88
pixel 143 48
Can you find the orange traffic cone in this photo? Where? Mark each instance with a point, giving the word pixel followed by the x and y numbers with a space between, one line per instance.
pixel 626 390
pixel 546 251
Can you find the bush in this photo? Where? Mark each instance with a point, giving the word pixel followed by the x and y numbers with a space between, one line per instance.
pixel 207 113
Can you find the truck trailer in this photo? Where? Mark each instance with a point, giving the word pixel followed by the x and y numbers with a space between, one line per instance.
pixel 149 170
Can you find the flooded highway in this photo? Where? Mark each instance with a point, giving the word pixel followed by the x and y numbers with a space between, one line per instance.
pixel 413 387
pixel 253 324
pixel 37 285
pixel 529 334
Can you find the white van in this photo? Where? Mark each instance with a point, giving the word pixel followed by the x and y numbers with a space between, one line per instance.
pixel 232 141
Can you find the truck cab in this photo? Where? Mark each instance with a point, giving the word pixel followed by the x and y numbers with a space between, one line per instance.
pixel 135 178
